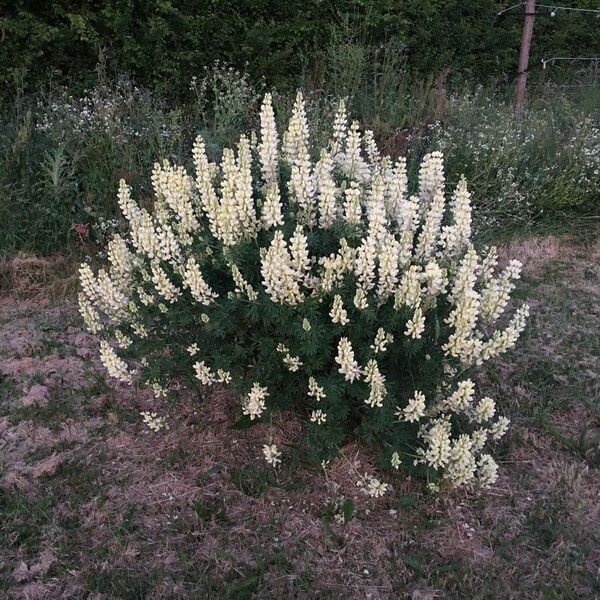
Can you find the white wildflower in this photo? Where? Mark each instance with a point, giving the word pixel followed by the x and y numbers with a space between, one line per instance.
pixel 318 416
pixel 382 339
pixel 499 428
pixel 371 486
pixel 198 287
pixel 272 454
pixel 315 390
pixel 345 358
pixel 255 402
pixel 114 364
pixel 376 381
pixel 337 313
pixel 153 421
pixel 269 142
pixel 487 470
pixel 484 410
pixel 416 326
pixel 414 410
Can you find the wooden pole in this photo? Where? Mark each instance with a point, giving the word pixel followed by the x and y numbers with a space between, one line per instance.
pixel 524 57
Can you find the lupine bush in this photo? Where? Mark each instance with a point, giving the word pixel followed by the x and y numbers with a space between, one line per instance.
pixel 314 283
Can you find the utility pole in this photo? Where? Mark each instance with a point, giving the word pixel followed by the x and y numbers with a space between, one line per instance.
pixel 524 56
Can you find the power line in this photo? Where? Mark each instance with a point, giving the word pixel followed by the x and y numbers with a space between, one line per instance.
pixel 569 58
pixel 553 8
pixel 510 8
pixel 573 8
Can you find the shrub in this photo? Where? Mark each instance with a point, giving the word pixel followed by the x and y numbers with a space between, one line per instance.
pixel 323 288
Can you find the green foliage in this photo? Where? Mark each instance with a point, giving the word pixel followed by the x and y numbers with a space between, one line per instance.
pixel 163 43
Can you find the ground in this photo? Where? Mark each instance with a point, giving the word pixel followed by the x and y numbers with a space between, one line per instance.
pixel 95 505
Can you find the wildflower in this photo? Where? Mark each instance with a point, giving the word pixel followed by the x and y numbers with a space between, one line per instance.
pixel 124 341
pixel 315 390
pixel 306 324
pixel 200 290
pixel 487 470
pixel 462 464
pixel 268 147
pixel 153 421
pixel 496 294
pixel 338 314
pixel 414 410
pixel 90 315
pixel 431 176
pixel 241 285
pixel 223 376
pixel 163 285
pixel 483 410
pixel 438 445
pixel 479 438
pixel 203 373
pixel 352 207
pixel 254 404
pixel 271 215
pixel 454 237
pixel 416 326
pixel 345 358
pixel 431 227
pixel 364 266
pixel 409 291
pixel 280 278
pixel 376 381
pixel 272 454
pixel 360 299
pixel 318 416
pixel 499 428
pixel 395 460
pixel 371 486
pixel 293 363
pixel 340 126
pixel 381 341
pixel 114 364
pixel 462 399
pixel 389 256
pixel 326 191
pixel 435 279
pixel 159 390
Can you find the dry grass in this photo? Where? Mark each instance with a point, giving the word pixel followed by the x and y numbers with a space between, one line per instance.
pixel 31 276
pixel 94 505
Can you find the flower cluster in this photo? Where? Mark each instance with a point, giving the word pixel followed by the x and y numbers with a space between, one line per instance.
pixel 310 279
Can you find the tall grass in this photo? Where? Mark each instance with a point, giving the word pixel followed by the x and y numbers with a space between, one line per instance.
pixel 61 156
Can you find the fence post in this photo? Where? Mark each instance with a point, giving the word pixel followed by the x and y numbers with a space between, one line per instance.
pixel 524 56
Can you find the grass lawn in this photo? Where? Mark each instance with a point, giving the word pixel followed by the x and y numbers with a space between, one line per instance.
pixel 95 505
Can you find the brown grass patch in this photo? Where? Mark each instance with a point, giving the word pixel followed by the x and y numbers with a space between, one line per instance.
pixel 30 276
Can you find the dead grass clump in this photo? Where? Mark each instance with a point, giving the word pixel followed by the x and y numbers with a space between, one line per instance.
pixel 533 252
pixel 28 276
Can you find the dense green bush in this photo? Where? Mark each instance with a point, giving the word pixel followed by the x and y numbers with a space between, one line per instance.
pixel 162 44
pixel 313 282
